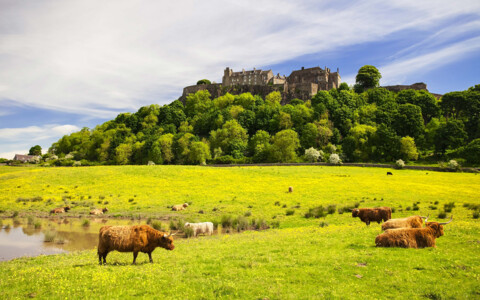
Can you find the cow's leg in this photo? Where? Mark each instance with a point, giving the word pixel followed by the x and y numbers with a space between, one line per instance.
pixel 367 222
pixel 135 253
pixel 150 257
pixel 100 255
pixel 105 258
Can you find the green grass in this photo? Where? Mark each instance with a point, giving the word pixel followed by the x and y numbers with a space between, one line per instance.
pixel 300 260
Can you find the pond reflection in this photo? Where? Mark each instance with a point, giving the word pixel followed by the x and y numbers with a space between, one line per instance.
pixel 49 236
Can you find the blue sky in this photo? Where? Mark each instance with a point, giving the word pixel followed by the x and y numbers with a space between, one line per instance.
pixel 72 64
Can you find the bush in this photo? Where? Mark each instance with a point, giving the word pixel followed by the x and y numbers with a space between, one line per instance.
pixel 313 155
pixel 453 164
pixel 157 225
pixel 341 210
pixel 277 203
pixel 242 223
pixel 37 225
pixel 415 206
pixel 226 221
pixel 335 159
pixel 86 223
pixel 432 207
pixel 323 224
pixel 476 214
pixel 259 224
pixel 316 212
pixel 290 212
pixel 447 207
pixel 331 209
pixel 188 231
pixel 442 215
pixel 400 164
pixel 49 236
pixel 248 214
pixel 203 81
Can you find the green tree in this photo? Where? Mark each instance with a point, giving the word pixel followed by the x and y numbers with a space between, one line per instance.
pixel 367 77
pixel 309 136
pixel 123 153
pixel 231 137
pixel 273 99
pixel 259 146
pixel 197 103
pixel 408 121
pixel 199 153
pixel 166 143
pixel 285 144
pixel 203 81
pixel 471 152
pixel 449 136
pixel 408 150
pixel 35 150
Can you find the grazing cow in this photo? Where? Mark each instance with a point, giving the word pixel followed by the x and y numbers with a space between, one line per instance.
pixel 60 210
pixel 409 222
pixel 389 173
pixel 411 237
pixel 372 214
pixel 198 228
pixel 136 238
pixel 97 211
pixel 180 207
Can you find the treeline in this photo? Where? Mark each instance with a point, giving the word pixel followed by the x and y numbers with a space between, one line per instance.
pixel 375 125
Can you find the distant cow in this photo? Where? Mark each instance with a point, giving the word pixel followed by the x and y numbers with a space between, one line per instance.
pixel 136 238
pixel 411 237
pixel 409 222
pixel 97 211
pixel 199 228
pixel 377 214
pixel 60 210
pixel 389 173
pixel 180 207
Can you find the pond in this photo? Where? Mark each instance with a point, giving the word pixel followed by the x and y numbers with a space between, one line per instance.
pixel 32 237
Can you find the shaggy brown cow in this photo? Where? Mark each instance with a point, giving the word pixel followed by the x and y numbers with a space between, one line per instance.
pixel 180 207
pixel 372 214
pixel 136 238
pixel 411 237
pixel 60 210
pixel 409 222
pixel 97 211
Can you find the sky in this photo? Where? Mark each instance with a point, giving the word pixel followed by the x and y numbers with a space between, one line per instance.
pixel 65 65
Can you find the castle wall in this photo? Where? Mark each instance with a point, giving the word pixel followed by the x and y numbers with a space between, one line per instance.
pixel 397 88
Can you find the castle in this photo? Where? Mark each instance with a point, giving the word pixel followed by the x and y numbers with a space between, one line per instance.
pixel 301 84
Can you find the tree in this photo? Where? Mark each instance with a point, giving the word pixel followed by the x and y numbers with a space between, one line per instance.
pixel 408 149
pixel 472 151
pixel 259 146
pixel 450 135
pixel 165 142
pixel 273 99
pixel 285 143
pixel 203 81
pixel 367 77
pixel 409 121
pixel 309 136
pixel 232 137
pixel 35 150
pixel 199 153
pixel 312 154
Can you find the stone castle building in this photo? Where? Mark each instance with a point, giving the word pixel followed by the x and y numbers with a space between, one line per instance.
pixel 302 84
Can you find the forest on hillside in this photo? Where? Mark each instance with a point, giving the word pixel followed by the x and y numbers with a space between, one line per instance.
pixel 365 123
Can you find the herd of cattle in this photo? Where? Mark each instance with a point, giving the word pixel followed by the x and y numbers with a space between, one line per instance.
pixel 405 232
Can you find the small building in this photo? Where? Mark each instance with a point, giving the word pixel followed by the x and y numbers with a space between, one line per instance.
pixel 26 158
pixel 312 80
pixel 251 77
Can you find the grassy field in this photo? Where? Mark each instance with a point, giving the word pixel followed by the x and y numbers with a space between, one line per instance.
pixel 300 260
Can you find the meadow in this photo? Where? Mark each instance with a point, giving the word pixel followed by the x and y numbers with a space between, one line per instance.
pixel 329 257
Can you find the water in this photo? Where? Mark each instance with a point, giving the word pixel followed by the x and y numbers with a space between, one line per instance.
pixel 20 239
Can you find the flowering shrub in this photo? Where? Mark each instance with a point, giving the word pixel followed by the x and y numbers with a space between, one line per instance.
pixel 313 155
pixel 400 164
pixel 335 159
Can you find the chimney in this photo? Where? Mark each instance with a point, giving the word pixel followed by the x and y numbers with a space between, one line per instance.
pixel 303 68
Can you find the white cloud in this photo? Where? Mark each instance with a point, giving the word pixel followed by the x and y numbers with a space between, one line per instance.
pixel 19 140
pixel 96 58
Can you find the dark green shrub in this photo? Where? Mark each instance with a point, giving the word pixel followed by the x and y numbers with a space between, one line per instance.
pixel 357 204
pixel 86 223
pixel 432 207
pixel 415 206
pixel 248 214
pixel 290 212
pixel 436 202
pixel 476 214
pixel 340 210
pixel 188 231
pixel 316 212
pixel 259 224
pixel 277 203
pixel 449 206
pixel 394 210
pixel 408 208
pixel 226 221
pixel 157 225
pixel 275 224
pixel 331 209
pixel 15 214
pixel 241 223
pixel 442 215
pixel 130 200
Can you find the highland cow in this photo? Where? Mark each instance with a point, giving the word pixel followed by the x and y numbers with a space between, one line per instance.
pixel 411 237
pixel 136 238
pixel 179 207
pixel 199 228
pixel 60 210
pixel 368 215
pixel 97 211
pixel 409 222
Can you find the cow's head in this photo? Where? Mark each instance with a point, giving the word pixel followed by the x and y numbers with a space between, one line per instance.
pixel 185 204
pixel 66 208
pixel 437 227
pixel 105 209
pixel 186 224
pixel 166 241
pixel 355 212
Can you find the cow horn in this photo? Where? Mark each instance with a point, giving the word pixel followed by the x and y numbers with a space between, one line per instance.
pixel 426 218
pixel 165 235
pixel 172 234
pixel 445 223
